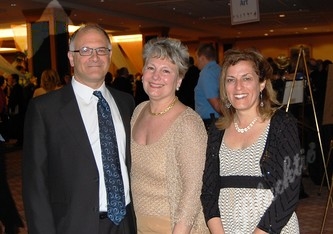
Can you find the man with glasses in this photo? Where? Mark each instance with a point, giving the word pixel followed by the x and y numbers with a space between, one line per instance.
pixel 66 184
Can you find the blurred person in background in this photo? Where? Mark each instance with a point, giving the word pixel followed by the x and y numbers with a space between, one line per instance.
pixel 50 81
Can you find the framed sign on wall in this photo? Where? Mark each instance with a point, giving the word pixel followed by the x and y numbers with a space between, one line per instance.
pixel 244 11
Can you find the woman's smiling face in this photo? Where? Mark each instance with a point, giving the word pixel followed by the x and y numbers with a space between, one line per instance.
pixel 160 78
pixel 242 85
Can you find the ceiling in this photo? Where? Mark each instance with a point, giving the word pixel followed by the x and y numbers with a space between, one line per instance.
pixel 188 20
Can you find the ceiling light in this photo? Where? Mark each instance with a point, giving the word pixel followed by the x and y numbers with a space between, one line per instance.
pixel 7 50
pixel 20 31
pixel 5 33
pixel 72 28
pixel 127 38
pixel 282 15
pixel 7 46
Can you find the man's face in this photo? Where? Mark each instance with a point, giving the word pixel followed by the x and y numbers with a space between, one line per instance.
pixel 10 80
pixel 91 69
pixel 201 61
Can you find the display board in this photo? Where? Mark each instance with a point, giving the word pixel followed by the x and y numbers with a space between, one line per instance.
pixel 328 108
pixel 297 92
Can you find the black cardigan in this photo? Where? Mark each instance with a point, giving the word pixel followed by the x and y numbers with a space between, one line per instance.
pixel 280 166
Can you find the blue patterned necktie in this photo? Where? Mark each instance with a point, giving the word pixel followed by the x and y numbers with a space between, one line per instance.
pixel 111 165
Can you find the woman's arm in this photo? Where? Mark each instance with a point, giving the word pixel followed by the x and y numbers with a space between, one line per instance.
pixel 215 226
pixel 191 142
pixel 211 178
pixel 259 231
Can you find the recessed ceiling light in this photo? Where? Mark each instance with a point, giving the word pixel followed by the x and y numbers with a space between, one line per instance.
pixel 2 49
pixel 127 38
pixel 282 15
pixel 266 34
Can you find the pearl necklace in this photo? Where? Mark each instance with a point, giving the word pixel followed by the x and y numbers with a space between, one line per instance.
pixel 166 110
pixel 242 130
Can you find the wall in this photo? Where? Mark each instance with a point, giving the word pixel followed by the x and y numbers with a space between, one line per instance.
pixel 132 51
pixel 321 46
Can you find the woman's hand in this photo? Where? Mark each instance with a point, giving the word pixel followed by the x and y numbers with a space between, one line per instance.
pixel 259 231
pixel 215 226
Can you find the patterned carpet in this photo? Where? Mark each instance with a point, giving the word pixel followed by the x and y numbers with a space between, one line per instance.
pixel 310 211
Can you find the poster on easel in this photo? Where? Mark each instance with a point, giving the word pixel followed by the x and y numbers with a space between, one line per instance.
pixel 328 108
pixel 297 92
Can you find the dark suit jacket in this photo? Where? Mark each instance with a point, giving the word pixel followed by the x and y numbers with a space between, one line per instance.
pixel 60 176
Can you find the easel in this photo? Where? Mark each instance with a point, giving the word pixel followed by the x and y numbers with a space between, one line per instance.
pixel 329 194
pixel 302 54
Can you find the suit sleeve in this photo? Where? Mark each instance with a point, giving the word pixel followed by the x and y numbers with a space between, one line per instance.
pixel 34 181
pixel 281 166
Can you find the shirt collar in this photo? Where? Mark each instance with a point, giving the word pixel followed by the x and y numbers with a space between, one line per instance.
pixel 85 92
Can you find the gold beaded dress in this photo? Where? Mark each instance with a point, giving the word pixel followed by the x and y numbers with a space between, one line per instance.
pixel 166 176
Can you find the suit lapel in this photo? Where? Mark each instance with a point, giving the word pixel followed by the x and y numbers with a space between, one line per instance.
pixel 71 116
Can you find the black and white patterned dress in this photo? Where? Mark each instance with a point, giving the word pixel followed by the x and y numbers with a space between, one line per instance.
pixel 242 208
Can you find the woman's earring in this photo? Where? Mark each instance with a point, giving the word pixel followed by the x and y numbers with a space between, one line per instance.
pixel 228 104
pixel 261 102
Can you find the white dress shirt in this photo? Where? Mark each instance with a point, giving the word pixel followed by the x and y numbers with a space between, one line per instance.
pixel 88 107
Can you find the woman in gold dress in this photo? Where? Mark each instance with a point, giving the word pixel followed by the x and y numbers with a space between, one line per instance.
pixel 168 147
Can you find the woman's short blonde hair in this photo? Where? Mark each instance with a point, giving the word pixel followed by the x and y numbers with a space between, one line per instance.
pixel 168 48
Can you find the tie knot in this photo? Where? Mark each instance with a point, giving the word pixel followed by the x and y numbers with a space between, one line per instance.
pixel 101 100
pixel 98 94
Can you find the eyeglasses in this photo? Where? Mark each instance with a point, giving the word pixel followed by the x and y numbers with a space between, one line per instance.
pixel 87 51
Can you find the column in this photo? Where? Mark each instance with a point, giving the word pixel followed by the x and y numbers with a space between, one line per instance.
pixel 47 37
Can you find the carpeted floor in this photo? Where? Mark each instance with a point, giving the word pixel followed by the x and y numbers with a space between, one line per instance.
pixel 310 211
